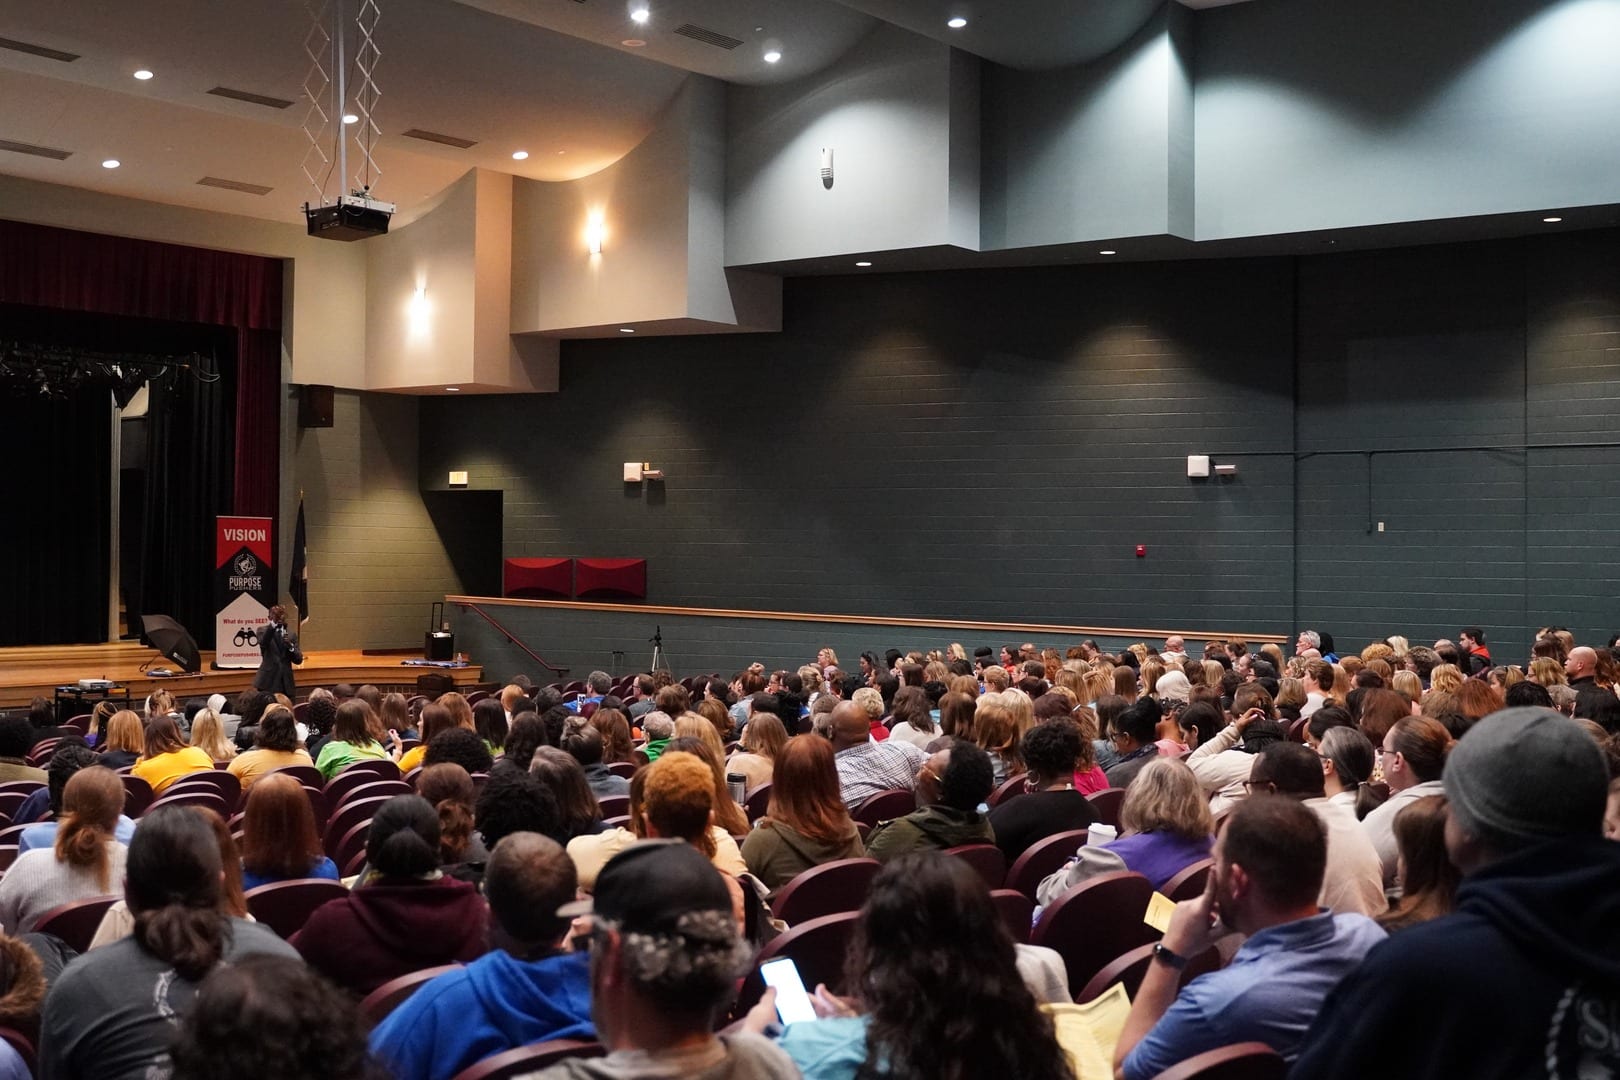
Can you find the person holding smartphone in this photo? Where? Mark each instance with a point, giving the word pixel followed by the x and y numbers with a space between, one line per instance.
pixel 940 993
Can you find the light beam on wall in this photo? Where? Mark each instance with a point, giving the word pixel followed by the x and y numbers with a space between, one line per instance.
pixel 595 233
pixel 419 313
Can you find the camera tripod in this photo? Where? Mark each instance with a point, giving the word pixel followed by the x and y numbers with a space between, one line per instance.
pixel 660 659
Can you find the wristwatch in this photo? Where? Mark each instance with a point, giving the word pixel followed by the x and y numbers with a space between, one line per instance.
pixel 1168 958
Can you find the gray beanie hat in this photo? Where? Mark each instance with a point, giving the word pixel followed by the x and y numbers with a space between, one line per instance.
pixel 1525 774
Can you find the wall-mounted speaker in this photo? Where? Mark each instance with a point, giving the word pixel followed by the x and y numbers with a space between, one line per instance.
pixel 314 406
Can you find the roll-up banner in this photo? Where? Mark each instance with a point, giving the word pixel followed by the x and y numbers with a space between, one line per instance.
pixel 244 589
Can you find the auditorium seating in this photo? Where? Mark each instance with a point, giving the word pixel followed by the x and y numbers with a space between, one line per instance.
pixel 885 806
pixel 986 859
pixel 1017 912
pixel 1241 1061
pixel 1189 884
pixel 817 947
pixel 527 1059
pixel 388 997
pixel 1007 789
pixel 1043 858
pixel 1130 968
pixel 76 923
pixel 1106 803
pixel 827 889
pixel 758 801
pixel 285 905
pixel 1093 922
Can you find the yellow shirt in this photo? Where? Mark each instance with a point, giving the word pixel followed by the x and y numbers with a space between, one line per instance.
pixel 251 765
pixel 413 757
pixel 165 769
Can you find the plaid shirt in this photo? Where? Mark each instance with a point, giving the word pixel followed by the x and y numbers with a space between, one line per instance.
pixel 871 767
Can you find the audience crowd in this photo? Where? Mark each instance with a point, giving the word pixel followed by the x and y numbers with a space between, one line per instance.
pixel 1402 862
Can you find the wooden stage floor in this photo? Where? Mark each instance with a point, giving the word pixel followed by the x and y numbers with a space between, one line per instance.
pixel 36 671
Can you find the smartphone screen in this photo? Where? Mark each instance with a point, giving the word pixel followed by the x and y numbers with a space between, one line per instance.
pixel 792 1000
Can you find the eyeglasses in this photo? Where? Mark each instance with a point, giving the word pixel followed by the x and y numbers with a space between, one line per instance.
pixel 1267 786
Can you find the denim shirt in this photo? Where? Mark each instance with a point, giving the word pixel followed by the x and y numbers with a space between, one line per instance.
pixel 1270 992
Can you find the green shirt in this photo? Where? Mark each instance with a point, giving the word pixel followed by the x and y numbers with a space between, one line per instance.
pixel 337 756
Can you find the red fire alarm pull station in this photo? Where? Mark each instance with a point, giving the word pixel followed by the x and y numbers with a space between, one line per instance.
pixel 1141 551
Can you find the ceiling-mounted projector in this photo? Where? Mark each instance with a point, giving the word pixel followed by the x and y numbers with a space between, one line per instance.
pixel 353 217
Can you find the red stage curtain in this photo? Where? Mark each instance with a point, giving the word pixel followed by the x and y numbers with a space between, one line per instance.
pixel 115 275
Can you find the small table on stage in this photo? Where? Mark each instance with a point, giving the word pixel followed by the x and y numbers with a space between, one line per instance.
pixel 74 701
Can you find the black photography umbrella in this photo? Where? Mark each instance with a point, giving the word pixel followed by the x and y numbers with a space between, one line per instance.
pixel 172 640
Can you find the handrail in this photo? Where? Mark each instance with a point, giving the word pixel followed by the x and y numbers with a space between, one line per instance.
pixel 862 620
pixel 470 603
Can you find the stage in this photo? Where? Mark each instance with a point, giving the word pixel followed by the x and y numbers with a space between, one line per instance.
pixel 36 671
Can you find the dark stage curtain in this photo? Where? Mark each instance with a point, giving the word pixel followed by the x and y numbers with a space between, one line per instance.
pixel 258 423
pixel 115 275
pixel 194 476
pixel 57 498
pixel 188 483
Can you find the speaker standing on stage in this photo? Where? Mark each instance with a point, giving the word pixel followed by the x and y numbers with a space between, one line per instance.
pixel 280 652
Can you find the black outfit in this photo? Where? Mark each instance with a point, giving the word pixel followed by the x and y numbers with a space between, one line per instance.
pixel 44 734
pixel 1022 821
pixel 279 651
pixel 1522 980
pixel 118 759
pixel 1122 772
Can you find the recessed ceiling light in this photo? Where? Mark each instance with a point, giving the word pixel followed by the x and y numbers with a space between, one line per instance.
pixel 519 155
pixel 863 263
pixel 956 23
pixel 111 163
pixel 143 74
pixel 454 389
pixel 639 15
pixel 350 118
pixel 632 43
pixel 625 330
pixel 1105 252
pixel 773 55
pixel 1552 220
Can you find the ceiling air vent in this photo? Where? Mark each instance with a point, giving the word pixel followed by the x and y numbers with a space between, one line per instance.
pixel 707 36
pixel 36 151
pixel 251 98
pixel 38 50
pixel 443 140
pixel 234 185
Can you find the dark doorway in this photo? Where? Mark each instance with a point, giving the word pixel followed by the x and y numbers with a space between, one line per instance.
pixel 469 524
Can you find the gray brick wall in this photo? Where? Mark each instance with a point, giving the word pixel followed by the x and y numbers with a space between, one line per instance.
pixel 376 561
pixel 992 445
pixel 974 445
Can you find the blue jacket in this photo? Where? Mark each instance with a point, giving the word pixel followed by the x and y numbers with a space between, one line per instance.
pixel 495 1003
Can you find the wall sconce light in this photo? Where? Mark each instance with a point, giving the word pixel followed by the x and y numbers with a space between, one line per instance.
pixel 827 167
pixel 418 311
pixel 595 232
pixel 637 471
pixel 1199 467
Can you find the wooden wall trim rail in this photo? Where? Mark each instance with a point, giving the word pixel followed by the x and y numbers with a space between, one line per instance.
pixel 863 620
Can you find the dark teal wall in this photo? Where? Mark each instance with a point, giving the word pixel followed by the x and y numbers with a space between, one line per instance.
pixel 992 446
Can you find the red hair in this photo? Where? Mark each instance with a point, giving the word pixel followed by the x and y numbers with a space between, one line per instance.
pixel 804 791
pixel 278 829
